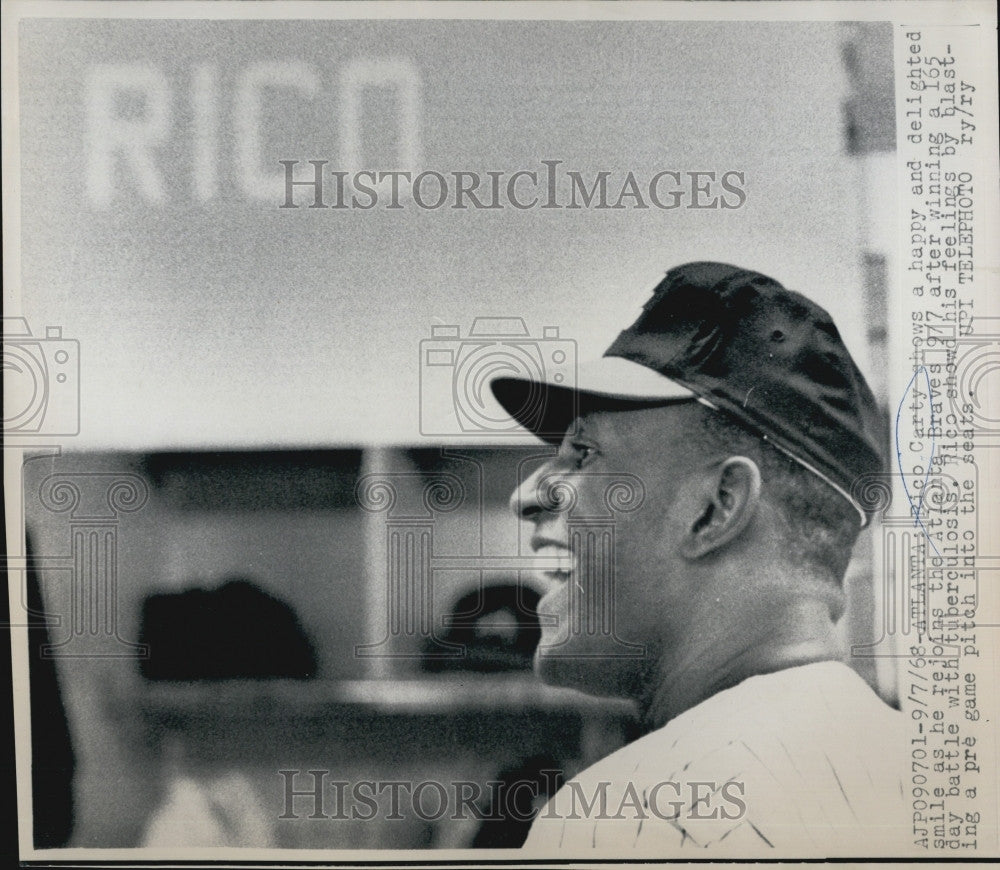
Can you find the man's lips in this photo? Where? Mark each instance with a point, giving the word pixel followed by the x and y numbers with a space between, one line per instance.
pixel 553 560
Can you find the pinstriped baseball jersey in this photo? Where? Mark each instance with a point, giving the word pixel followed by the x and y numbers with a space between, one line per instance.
pixel 807 761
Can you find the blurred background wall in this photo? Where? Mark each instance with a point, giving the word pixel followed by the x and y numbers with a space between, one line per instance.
pixel 245 369
pixel 209 316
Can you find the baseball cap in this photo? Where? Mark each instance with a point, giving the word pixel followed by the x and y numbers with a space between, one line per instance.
pixel 738 341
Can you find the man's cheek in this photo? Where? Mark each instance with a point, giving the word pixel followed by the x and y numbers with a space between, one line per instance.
pixel 553 612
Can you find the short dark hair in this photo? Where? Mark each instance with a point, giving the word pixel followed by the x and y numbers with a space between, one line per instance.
pixel 822 525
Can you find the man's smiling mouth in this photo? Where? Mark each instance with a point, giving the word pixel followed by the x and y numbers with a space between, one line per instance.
pixel 553 562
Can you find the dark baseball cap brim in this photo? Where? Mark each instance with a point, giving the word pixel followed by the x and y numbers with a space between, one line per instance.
pixel 547 407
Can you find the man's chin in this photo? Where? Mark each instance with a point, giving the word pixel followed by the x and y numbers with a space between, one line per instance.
pixel 571 672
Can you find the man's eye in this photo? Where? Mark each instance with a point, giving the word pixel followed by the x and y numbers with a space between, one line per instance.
pixel 583 453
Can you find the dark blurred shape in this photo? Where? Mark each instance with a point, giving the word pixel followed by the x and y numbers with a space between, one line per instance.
pixel 52 760
pixel 520 793
pixel 498 627
pixel 255 480
pixel 237 631
pixel 870 107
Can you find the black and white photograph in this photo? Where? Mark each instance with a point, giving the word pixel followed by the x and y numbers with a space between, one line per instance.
pixel 501 433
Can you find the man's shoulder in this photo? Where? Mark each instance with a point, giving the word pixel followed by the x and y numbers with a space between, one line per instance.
pixel 814 708
pixel 788 756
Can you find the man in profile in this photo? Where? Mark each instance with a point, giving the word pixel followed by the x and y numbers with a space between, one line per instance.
pixel 742 425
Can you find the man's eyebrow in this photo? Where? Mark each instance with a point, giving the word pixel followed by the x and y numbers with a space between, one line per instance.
pixel 573 433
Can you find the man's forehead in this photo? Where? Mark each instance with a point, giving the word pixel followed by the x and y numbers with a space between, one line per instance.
pixel 626 420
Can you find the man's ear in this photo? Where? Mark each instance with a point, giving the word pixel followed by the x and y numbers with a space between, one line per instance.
pixel 727 502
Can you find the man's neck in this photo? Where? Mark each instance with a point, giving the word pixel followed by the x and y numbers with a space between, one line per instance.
pixel 767 636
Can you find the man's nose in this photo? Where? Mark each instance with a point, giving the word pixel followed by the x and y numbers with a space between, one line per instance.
pixel 526 501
